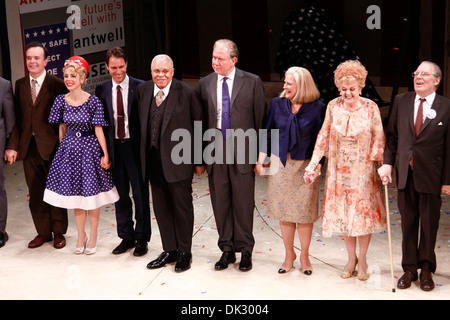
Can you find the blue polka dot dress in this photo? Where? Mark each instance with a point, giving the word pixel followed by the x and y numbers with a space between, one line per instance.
pixel 76 179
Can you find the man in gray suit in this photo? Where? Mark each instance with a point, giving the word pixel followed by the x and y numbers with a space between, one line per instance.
pixel 7 121
pixel 232 99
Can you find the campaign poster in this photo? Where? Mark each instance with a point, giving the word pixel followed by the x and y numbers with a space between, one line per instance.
pixel 56 38
pixel 99 26
pixel 27 6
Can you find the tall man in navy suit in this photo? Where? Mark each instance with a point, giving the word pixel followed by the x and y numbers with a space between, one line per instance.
pixel 119 99
pixel 418 145
pixel 7 121
pixel 233 100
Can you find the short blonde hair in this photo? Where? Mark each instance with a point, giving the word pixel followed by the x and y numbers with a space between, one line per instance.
pixel 77 68
pixel 350 70
pixel 306 88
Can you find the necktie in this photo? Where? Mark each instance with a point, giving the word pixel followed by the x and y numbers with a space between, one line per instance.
pixel 418 125
pixel 120 115
pixel 159 98
pixel 33 90
pixel 226 123
pixel 419 118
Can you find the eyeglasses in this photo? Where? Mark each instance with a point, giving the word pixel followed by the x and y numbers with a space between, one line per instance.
pixel 164 71
pixel 421 74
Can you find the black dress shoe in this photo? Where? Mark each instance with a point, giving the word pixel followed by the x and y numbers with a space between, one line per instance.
pixel 426 281
pixel 163 259
pixel 405 281
pixel 141 248
pixel 3 238
pixel 246 262
pixel 226 258
pixel 124 246
pixel 184 260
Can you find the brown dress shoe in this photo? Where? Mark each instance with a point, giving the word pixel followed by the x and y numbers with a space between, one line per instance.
pixel 60 241
pixel 426 281
pixel 39 241
pixel 405 281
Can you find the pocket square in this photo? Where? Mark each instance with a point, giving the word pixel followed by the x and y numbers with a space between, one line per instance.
pixel 440 124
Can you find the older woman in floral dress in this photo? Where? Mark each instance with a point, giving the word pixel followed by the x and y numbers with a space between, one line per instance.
pixel 352 139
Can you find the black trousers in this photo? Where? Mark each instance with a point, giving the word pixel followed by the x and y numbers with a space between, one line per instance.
pixel 173 207
pixel 418 211
pixel 126 173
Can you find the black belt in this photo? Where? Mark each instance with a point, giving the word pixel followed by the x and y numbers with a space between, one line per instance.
pixel 122 140
pixel 80 134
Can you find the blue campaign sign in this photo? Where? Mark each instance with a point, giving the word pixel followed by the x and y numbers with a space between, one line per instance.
pixel 56 38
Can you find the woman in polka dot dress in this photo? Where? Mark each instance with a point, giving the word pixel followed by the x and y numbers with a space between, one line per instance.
pixel 79 178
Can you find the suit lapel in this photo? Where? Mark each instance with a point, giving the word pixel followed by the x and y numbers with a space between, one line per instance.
pixel 410 112
pixel 237 85
pixel 435 106
pixel 131 93
pixel 109 104
pixel 147 100
pixel 213 95
pixel 172 102
pixel 43 92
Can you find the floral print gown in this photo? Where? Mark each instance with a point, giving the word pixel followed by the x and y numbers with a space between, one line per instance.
pixel 353 142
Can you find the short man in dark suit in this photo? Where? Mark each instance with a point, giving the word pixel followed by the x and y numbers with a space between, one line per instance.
pixel 119 98
pixel 233 99
pixel 7 121
pixel 418 145
pixel 35 141
pixel 165 106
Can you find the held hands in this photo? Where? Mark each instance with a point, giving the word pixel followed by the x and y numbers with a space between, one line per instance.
pixel 261 169
pixel 385 173
pixel 199 170
pixel 310 176
pixel 446 189
pixel 10 156
pixel 105 163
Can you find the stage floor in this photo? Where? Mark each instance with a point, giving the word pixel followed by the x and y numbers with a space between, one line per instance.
pixel 48 273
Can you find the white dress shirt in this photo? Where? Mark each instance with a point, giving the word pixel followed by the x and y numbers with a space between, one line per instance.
pixel 426 106
pixel 165 90
pixel 40 81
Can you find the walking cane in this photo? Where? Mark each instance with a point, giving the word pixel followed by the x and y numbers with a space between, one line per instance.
pixel 389 235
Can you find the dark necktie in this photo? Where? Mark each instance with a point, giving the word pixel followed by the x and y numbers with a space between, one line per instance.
pixel 418 125
pixel 419 118
pixel 120 115
pixel 226 123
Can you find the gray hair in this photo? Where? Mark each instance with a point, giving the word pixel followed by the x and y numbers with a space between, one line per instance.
pixel 163 56
pixel 230 45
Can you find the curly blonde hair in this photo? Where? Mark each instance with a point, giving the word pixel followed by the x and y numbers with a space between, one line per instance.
pixel 350 70
pixel 77 68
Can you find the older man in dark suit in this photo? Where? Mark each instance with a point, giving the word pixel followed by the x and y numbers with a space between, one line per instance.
pixel 167 105
pixel 119 98
pixel 233 100
pixel 418 145
pixel 35 141
pixel 7 121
